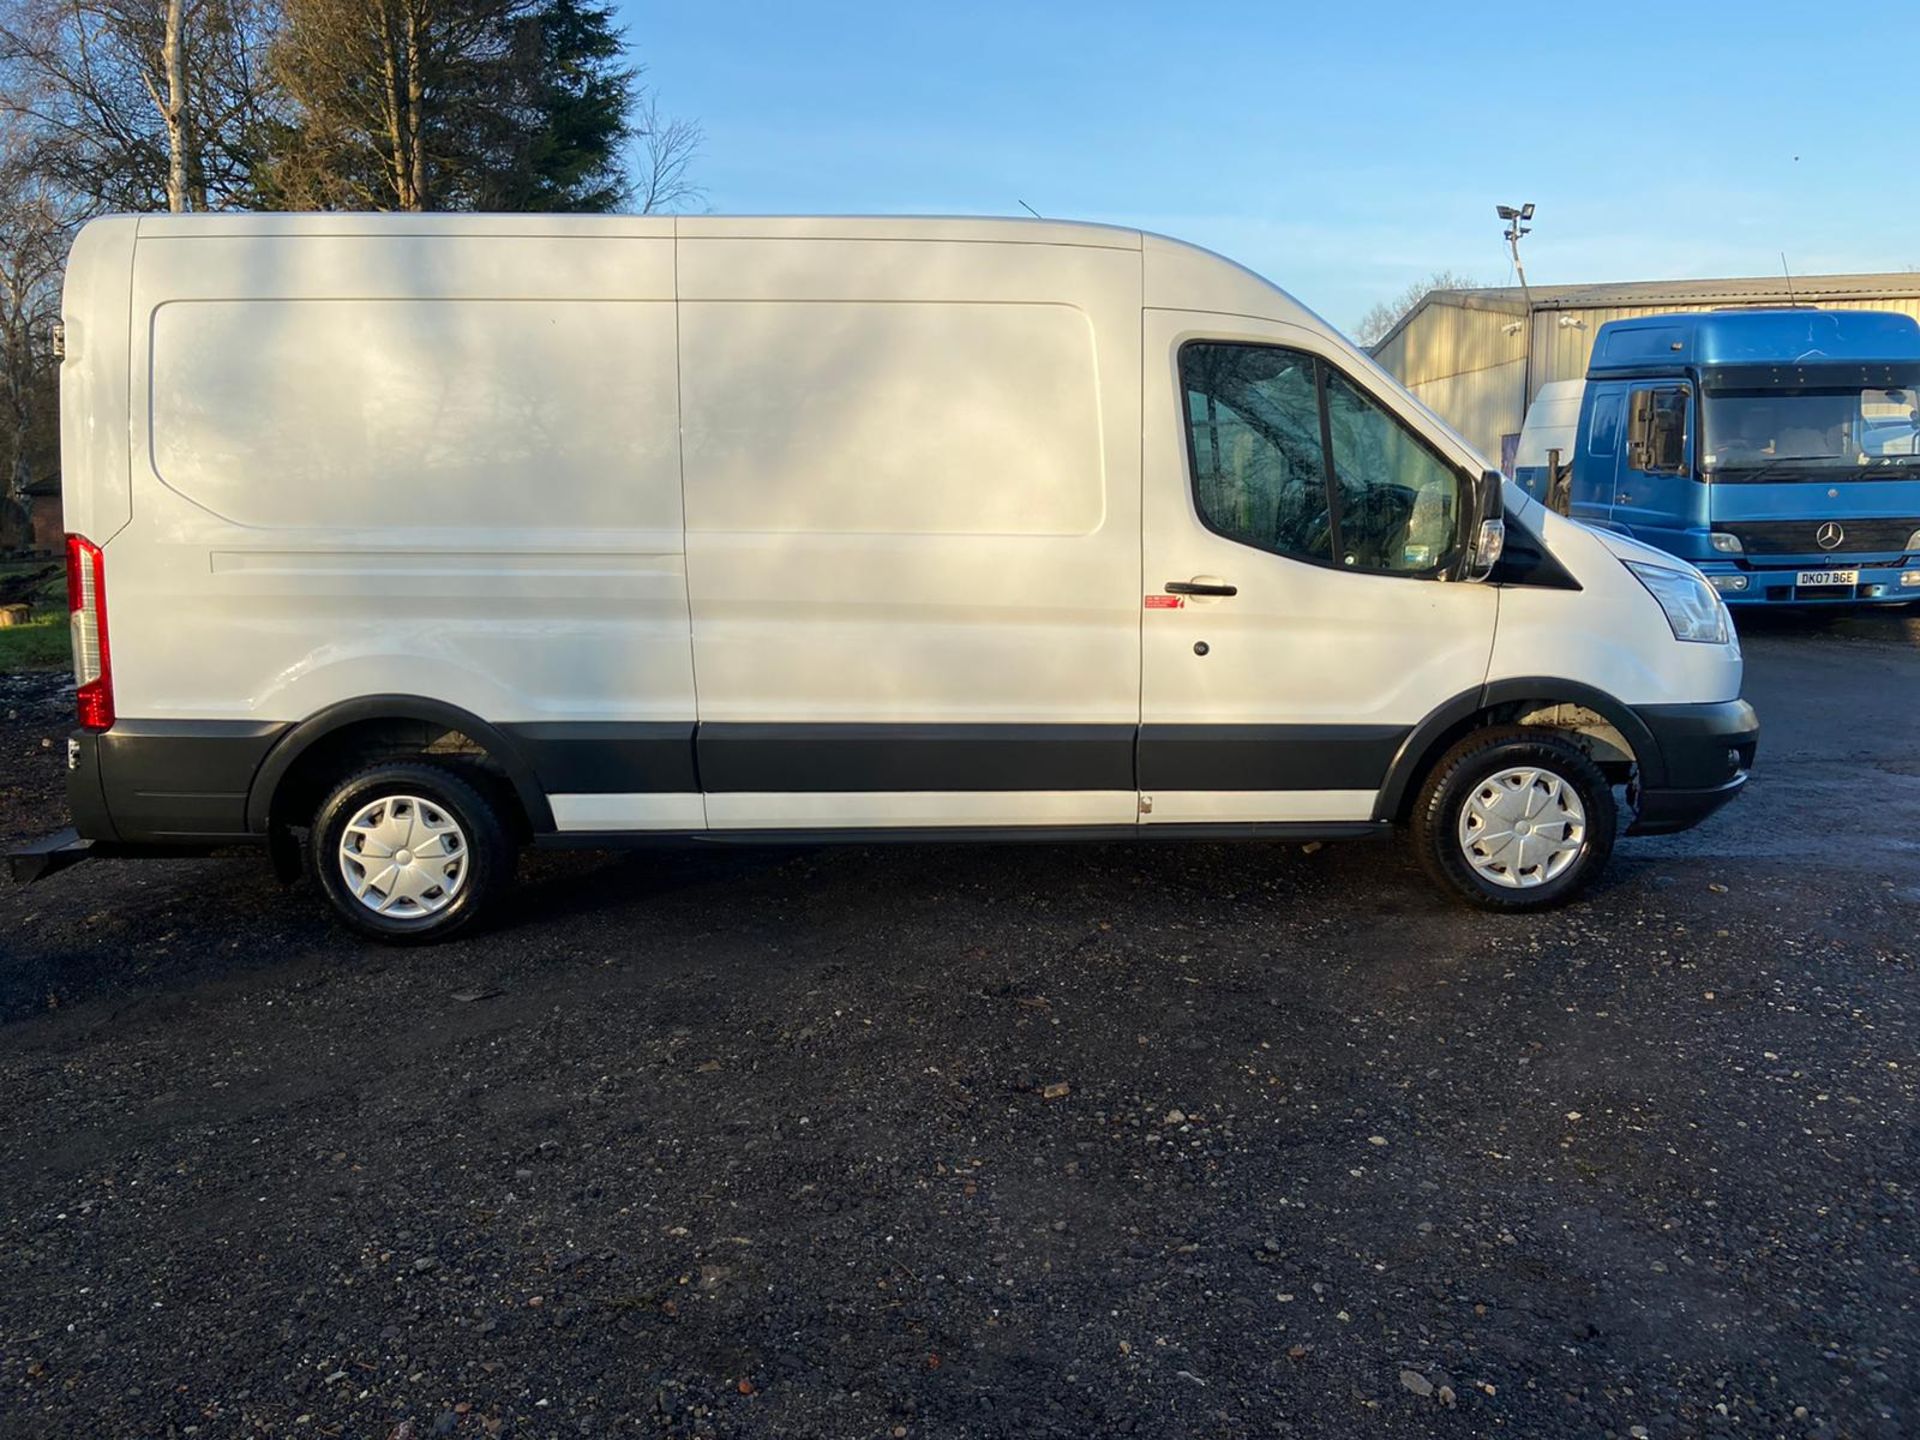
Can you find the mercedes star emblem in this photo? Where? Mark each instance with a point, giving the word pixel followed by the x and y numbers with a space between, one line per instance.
pixel 1830 534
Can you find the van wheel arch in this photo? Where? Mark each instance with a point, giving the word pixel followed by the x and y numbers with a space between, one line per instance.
pixel 318 751
pixel 1585 712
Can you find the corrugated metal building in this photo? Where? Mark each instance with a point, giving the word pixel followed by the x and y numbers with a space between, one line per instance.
pixel 1478 357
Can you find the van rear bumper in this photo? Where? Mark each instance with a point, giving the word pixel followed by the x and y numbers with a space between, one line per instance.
pixel 166 781
pixel 1706 754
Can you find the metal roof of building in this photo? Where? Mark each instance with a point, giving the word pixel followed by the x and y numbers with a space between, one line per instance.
pixel 1748 290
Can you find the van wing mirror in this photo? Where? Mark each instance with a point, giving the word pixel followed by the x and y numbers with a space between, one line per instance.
pixel 1488 537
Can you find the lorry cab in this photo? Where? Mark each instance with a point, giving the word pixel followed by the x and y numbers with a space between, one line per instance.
pixel 404 542
pixel 1774 449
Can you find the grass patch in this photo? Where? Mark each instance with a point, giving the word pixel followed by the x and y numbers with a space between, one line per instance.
pixel 40 644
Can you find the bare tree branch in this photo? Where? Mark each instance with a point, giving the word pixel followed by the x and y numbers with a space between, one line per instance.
pixel 126 120
pixel 36 227
pixel 667 149
pixel 1382 317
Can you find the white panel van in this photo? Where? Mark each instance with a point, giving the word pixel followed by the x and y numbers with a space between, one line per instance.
pixel 1551 427
pixel 401 542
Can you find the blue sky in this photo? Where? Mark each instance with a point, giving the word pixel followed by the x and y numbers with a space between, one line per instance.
pixel 1341 150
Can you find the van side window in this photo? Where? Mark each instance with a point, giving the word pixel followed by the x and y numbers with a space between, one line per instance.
pixel 1253 425
pixel 1398 500
pixel 1657 428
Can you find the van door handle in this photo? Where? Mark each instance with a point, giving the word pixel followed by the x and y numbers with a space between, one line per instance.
pixel 1200 587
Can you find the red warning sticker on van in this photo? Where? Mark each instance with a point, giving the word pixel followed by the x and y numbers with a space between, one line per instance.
pixel 1164 602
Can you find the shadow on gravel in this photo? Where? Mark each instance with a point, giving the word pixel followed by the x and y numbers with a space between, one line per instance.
pixel 132 928
pixel 1883 624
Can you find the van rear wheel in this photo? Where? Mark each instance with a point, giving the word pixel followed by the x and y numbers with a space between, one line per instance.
pixel 409 852
pixel 1515 818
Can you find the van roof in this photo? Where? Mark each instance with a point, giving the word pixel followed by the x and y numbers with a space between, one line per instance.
pixel 1790 335
pixel 1176 275
pixel 809 227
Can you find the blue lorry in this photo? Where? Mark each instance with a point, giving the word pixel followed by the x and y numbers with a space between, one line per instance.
pixel 1777 450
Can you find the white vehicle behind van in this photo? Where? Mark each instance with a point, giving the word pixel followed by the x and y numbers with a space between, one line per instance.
pixel 401 542
pixel 1552 425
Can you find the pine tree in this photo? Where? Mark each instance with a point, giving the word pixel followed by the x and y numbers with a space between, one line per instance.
pixel 582 96
pixel 455 105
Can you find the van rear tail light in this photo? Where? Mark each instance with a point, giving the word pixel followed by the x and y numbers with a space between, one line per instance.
pixel 87 619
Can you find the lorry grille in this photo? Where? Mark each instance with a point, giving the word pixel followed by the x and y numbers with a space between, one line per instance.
pixel 1798 537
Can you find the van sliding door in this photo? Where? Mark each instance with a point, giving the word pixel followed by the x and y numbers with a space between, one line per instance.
pixel 912 491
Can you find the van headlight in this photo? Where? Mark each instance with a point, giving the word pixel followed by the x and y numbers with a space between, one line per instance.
pixel 1693 609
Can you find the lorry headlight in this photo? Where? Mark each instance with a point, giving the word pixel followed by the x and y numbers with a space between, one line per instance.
pixel 1693 609
pixel 1725 543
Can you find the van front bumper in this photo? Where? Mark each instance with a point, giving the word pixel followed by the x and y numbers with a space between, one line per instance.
pixel 1705 755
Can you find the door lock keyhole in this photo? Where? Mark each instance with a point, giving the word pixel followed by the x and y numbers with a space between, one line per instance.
pixel 1199 647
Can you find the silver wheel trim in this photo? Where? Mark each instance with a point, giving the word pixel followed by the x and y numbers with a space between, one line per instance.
pixel 1522 827
pixel 403 857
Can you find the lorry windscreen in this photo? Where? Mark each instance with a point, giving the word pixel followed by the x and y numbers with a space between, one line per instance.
pixel 1809 433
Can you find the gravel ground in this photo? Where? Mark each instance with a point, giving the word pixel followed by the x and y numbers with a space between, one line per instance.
pixel 1181 1141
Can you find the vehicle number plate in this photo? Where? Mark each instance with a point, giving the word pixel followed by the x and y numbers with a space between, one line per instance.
pixel 1827 577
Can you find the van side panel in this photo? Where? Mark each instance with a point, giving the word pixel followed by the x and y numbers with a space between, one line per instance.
pixel 94 488
pixel 392 464
pixel 418 417
pixel 913 501
pixel 901 418
pixel 410 465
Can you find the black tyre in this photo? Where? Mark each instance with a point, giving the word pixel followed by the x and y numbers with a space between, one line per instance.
pixel 1515 818
pixel 410 852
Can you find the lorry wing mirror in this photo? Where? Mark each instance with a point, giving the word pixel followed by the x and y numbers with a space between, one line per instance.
pixel 1489 526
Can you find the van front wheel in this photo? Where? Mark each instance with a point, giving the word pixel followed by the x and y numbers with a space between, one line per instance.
pixel 1515 818
pixel 409 852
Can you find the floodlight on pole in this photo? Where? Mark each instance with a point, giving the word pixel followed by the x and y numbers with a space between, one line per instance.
pixel 1518 218
pixel 1519 223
